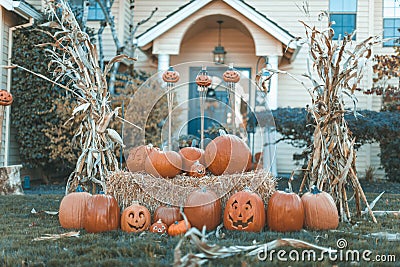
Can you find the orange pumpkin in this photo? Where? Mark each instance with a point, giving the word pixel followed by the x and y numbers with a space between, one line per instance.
pixel 202 79
pixel 163 164
pixel 231 76
pixel 135 218
pixel 159 227
pixel 190 155
pixel 285 212
pixel 137 157
pixel 179 228
pixel 227 154
pixel 6 98
pixel 197 170
pixel 72 210
pixel 203 208
pixel 102 214
pixel 244 211
pixel 170 75
pixel 167 214
pixel 320 210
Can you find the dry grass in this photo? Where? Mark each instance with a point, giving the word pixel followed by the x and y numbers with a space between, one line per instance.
pixel 116 248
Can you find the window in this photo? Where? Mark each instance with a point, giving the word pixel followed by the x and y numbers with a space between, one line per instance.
pixel 391 21
pixel 95 12
pixel 343 15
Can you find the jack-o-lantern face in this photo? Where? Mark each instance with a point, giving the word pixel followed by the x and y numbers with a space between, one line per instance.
pixel 231 76
pixel 244 211
pixel 6 98
pixel 203 80
pixel 158 227
pixel 197 170
pixel 135 218
pixel 171 76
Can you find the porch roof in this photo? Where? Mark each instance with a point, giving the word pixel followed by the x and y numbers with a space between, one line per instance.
pixel 146 38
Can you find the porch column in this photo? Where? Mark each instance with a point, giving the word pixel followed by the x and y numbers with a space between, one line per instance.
pixel 272 97
pixel 273 93
pixel 163 62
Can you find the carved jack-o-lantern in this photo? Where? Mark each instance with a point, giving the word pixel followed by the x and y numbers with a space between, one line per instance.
pixel 203 80
pixel 197 170
pixel 231 76
pixel 170 76
pixel 159 227
pixel 135 218
pixel 244 211
pixel 6 98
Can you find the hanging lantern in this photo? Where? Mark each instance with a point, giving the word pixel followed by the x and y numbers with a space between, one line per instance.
pixel 171 77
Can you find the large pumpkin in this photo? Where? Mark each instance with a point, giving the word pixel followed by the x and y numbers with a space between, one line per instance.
pixel 320 210
pixel 135 218
pixel 102 214
pixel 244 211
pixel 285 212
pixel 167 214
pixel 190 155
pixel 137 157
pixel 165 164
pixel 227 154
pixel 72 210
pixel 203 207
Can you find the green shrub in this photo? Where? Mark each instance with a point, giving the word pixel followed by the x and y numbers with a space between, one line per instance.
pixel 369 126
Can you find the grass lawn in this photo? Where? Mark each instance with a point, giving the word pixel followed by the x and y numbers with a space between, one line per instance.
pixel 116 248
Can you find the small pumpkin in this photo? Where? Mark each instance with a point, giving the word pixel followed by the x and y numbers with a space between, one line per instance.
pixel 166 164
pixel 285 212
pixel 137 157
pixel 197 170
pixel 227 154
pixel 159 227
pixel 135 218
pixel 179 228
pixel 202 79
pixel 190 155
pixel 72 210
pixel 170 75
pixel 244 211
pixel 102 214
pixel 203 208
pixel 6 98
pixel 167 214
pixel 320 210
pixel 231 76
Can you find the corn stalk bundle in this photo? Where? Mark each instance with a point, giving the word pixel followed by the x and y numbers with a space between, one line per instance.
pixel 75 66
pixel 337 70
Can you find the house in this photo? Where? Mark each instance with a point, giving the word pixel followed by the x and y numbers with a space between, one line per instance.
pixel 254 34
pixel 13 14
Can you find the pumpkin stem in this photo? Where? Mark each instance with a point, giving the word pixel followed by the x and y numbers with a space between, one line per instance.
pixel 222 132
pixel 101 193
pixel 315 190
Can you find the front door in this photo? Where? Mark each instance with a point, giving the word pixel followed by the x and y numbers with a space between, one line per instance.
pixel 218 113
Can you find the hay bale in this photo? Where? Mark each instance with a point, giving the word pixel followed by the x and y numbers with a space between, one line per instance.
pixel 152 192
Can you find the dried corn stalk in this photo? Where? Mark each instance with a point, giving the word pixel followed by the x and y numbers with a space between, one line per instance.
pixel 75 65
pixel 337 69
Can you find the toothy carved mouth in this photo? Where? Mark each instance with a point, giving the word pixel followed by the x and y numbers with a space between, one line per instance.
pixel 240 223
pixel 136 227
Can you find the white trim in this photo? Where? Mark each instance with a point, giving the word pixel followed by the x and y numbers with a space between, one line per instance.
pixel 7 4
pixel 258 19
pixel 171 22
